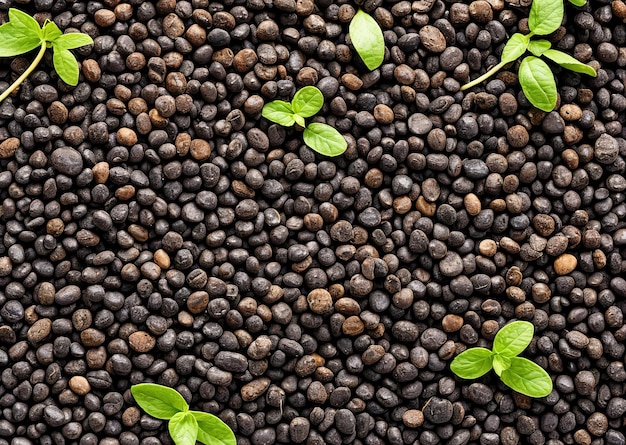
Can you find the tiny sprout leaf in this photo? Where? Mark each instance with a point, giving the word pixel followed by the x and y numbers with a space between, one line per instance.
pixel 159 401
pixel 66 66
pixel 500 363
pixel 538 47
pixel 527 377
pixel 367 39
pixel 307 101
pixel 299 120
pixel 15 42
pixel 545 16
pixel 472 363
pixel 578 3
pixel 568 62
pixel 24 24
pixel 51 32
pixel 72 40
pixel 513 338
pixel 280 112
pixel 212 430
pixel 183 428
pixel 515 47
pixel 538 83
pixel 324 139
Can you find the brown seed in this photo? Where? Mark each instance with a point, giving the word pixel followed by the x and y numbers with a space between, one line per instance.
pixel 162 259
pixel 351 81
pixel 91 70
pixel 565 264
pixel 383 114
pixel 472 204
pixel 481 11
pixel 173 26
pixel 413 418
pixel 253 390
pixel 320 301
pixel 8 147
pixel 126 136
pixel 141 341
pixel 352 326
pixel 200 149
pixel 79 385
pixel 452 323
pixel 39 330
pixel 101 172
pixel 245 60
pixel 104 17
pixel 197 302
pixel 432 39
pixel 425 208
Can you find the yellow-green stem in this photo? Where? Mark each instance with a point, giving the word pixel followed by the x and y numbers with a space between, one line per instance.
pixel 26 73
pixel 484 77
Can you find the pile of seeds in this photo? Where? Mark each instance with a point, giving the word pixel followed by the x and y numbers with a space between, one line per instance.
pixel 156 229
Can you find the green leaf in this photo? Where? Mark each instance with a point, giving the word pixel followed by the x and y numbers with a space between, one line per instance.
pixel 538 47
pixel 212 431
pixel 51 31
pixel 299 120
pixel 567 61
pixel 15 42
pixel 500 363
pixel 527 377
pixel 307 101
pixel 538 83
pixel 367 39
pixel 578 3
pixel 66 66
pixel 324 139
pixel 24 23
pixel 72 40
pixel 159 401
pixel 513 338
pixel 545 16
pixel 472 363
pixel 515 47
pixel 280 112
pixel 183 428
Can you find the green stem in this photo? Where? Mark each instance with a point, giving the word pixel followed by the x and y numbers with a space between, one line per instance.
pixel 26 73
pixel 484 77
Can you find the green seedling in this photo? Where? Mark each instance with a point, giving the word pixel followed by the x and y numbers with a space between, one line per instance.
pixel 22 34
pixel 535 76
pixel 367 39
pixel 518 373
pixel 185 426
pixel 306 103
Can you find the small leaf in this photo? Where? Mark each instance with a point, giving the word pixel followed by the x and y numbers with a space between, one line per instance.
pixel 212 431
pixel 514 48
pixel 72 40
pixel 513 338
pixel 527 377
pixel 159 401
pixel 15 42
pixel 66 66
pixel 500 363
pixel 538 47
pixel 324 139
pixel 568 62
pixel 51 32
pixel 307 101
pixel 280 112
pixel 367 39
pixel 24 23
pixel 538 83
pixel 299 120
pixel 545 16
pixel 183 428
pixel 472 363
pixel 578 3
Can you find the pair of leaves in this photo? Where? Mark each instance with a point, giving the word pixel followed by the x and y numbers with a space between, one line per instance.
pixel 185 426
pixel 306 103
pixel 367 39
pixel 22 34
pixel 518 373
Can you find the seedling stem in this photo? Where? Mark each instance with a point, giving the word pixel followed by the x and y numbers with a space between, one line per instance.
pixel 25 74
